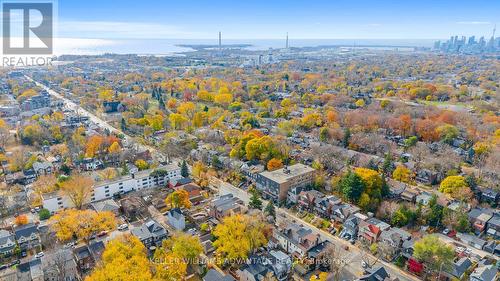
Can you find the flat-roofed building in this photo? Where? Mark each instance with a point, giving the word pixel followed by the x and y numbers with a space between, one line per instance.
pixel 107 189
pixel 275 184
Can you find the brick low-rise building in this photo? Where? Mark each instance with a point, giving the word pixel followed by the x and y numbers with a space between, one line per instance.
pixel 275 184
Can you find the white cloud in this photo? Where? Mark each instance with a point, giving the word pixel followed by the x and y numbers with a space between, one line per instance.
pixel 474 22
pixel 126 30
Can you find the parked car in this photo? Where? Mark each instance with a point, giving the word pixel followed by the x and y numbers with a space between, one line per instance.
pixel 69 245
pixel 102 233
pixel 446 231
pixel 39 255
pixel 123 227
pixel 3 266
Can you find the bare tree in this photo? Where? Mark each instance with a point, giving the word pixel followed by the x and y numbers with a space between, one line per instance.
pixel 60 260
pixel 336 258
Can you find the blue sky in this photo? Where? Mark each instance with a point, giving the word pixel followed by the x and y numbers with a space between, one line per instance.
pixel 257 19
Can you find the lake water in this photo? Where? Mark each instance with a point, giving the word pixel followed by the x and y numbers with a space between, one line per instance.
pixel 171 46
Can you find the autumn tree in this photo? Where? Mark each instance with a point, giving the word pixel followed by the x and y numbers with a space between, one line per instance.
pixel 238 235
pixel 21 220
pixel 274 164
pixel 124 258
pixel 375 188
pixel 402 174
pixel 81 223
pixel 322 276
pixel 141 164
pixel 452 184
pixel 78 189
pixel 436 254
pixel 93 146
pixel 186 246
pixel 178 199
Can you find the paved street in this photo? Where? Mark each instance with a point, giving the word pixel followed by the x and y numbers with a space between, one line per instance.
pixel 353 270
pixel 355 253
pixel 69 104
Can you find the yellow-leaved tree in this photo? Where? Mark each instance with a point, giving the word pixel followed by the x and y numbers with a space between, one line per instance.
pixel 402 174
pixel 124 258
pixel 178 199
pixel 78 189
pixel 238 235
pixel 81 223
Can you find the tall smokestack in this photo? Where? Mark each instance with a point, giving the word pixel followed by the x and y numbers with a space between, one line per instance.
pixel 286 40
pixel 220 40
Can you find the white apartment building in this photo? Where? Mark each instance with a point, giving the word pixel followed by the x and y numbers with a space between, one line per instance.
pixel 104 190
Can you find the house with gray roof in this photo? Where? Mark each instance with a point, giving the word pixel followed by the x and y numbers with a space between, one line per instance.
pixel 109 205
pixel 493 226
pixel 151 233
pixel 7 243
pixel 375 274
pixel 280 263
pixel 458 268
pixel 472 240
pixel 214 275
pixel 296 239
pixel 225 205
pixel 43 168
pixel 394 238
pixel 484 273
pixel 252 272
pixel 479 217
pixel 27 236
pixel 176 219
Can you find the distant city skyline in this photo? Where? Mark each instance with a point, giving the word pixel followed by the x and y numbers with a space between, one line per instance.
pixel 273 19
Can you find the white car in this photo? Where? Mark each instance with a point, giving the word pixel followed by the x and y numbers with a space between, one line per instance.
pixel 123 227
pixel 69 245
pixel 446 231
pixel 39 255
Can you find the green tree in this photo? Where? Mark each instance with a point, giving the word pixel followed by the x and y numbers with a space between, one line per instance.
pixel 44 214
pixel 434 214
pixel 387 165
pixel 270 210
pixel 404 216
pixel 123 125
pixel 255 202
pixel 409 142
pixel 352 186
pixel 347 137
pixel 184 169
pixel 447 133
pixel 434 253
pixel 183 245
pixel 323 134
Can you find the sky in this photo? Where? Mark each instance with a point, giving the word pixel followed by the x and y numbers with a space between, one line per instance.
pixel 271 19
